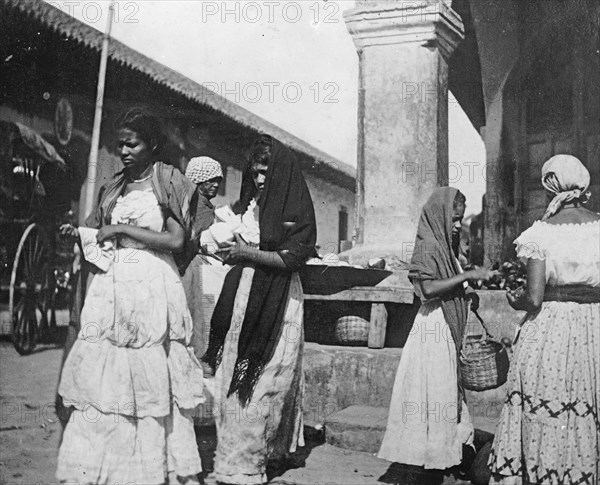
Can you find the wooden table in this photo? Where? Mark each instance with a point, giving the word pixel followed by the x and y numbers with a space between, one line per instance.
pixel 378 296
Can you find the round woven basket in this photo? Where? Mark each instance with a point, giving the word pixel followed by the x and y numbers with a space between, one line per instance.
pixel 483 363
pixel 352 330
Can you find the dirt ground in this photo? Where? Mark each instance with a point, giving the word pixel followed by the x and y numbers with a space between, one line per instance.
pixel 30 433
pixel 29 429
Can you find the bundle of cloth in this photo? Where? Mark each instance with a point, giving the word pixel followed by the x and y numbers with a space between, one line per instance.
pixel 227 224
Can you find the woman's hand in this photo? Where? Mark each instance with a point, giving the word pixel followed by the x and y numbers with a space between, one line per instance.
pixel 481 274
pixel 109 232
pixel 514 298
pixel 239 252
pixel 68 230
pixel 218 252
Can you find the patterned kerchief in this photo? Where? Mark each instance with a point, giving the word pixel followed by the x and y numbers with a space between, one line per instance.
pixel 201 169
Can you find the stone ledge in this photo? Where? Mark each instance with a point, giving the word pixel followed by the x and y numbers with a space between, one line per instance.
pixel 338 377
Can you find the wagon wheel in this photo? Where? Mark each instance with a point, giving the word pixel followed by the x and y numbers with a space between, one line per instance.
pixel 29 286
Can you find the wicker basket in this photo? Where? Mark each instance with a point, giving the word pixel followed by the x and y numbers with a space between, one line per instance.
pixel 352 330
pixel 483 361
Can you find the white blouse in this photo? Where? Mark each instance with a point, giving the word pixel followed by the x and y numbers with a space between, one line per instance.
pixel 571 251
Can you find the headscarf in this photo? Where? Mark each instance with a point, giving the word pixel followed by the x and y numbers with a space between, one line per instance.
pixel 287 225
pixel 434 259
pixel 201 169
pixel 568 179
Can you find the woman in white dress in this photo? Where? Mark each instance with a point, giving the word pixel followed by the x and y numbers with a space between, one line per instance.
pixel 428 422
pixel 549 428
pixel 131 376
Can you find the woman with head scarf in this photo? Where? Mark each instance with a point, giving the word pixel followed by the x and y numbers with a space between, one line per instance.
pixel 428 424
pixel 549 429
pixel 257 338
pixel 131 377
pixel 207 174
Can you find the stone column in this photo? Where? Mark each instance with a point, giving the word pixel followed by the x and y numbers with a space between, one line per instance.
pixel 403 49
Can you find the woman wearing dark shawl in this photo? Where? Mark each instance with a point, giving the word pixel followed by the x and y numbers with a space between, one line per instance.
pixel 257 337
pixel 428 423
pixel 131 377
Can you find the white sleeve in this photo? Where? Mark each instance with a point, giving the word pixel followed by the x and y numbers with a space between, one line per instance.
pixel 530 244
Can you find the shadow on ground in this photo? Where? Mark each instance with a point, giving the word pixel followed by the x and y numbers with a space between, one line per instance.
pixel 53 339
pixel 206 437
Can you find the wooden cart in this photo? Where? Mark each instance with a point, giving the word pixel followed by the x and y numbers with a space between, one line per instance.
pixel 36 260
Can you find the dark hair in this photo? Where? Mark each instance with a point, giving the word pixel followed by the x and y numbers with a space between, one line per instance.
pixel 459 198
pixel 145 125
pixel 261 150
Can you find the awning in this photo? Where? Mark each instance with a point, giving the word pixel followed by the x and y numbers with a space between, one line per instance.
pixel 34 141
pixel 27 19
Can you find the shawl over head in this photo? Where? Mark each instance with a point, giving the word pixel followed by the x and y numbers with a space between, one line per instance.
pixel 287 225
pixel 568 179
pixel 434 259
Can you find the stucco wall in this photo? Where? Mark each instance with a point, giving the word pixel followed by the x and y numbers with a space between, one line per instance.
pixel 327 199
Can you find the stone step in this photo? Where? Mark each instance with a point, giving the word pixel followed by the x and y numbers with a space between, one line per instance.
pixel 359 428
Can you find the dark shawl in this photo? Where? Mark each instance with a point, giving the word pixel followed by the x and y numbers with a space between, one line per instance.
pixel 433 259
pixel 204 216
pixel 287 225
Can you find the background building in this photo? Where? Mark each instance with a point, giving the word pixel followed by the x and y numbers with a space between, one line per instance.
pixel 50 59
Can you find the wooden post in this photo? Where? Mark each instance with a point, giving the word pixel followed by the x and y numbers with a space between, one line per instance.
pixel 378 326
pixel 92 172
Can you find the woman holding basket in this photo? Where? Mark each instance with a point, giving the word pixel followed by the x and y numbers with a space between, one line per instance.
pixel 428 422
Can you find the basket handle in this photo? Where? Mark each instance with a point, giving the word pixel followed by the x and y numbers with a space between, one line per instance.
pixel 486 333
pixel 485 329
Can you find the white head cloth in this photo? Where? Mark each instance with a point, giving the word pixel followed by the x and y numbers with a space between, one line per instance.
pixel 567 178
pixel 201 169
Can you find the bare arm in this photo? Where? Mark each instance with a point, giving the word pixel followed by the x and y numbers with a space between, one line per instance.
pixel 243 252
pixel 435 288
pixel 532 298
pixel 171 240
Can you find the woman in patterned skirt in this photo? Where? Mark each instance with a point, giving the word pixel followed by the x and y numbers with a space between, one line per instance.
pixel 549 427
